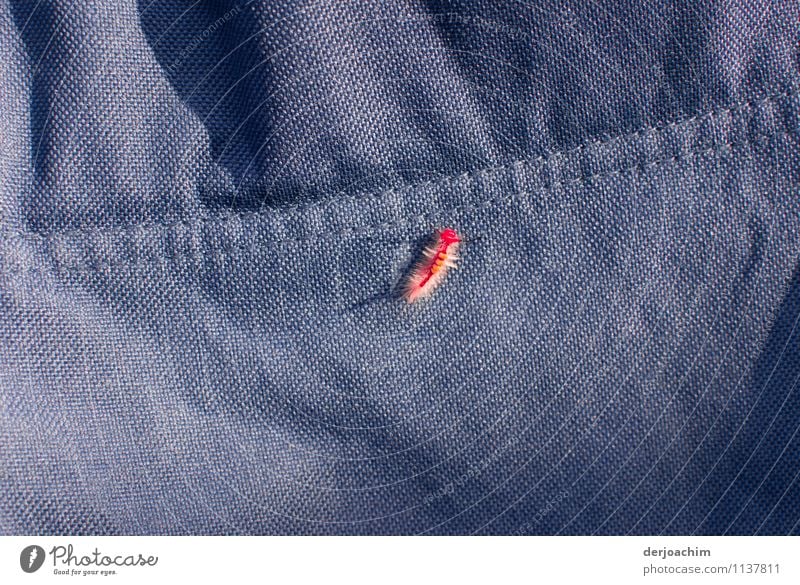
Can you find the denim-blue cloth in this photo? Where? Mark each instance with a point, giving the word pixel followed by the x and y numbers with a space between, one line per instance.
pixel 208 209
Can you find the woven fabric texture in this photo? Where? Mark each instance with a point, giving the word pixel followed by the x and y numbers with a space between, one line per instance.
pixel 208 209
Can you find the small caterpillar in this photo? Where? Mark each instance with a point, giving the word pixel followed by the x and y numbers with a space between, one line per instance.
pixel 430 271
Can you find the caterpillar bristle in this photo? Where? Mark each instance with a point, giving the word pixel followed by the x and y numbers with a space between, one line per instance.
pixel 430 271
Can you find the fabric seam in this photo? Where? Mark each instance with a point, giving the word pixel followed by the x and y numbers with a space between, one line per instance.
pixel 279 213
pixel 86 264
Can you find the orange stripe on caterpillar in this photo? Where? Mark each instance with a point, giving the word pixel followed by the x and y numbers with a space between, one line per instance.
pixel 432 268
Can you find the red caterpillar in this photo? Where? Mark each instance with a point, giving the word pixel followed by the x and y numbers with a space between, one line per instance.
pixel 430 271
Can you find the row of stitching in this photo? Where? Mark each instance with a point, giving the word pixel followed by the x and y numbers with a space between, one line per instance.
pixel 89 264
pixel 200 223
pixel 446 180
pixel 439 182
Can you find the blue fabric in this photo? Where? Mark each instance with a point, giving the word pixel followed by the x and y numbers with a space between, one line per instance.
pixel 208 209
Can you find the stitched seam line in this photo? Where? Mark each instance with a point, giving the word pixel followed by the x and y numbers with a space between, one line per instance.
pixel 443 181
pixel 86 264
pixel 720 149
